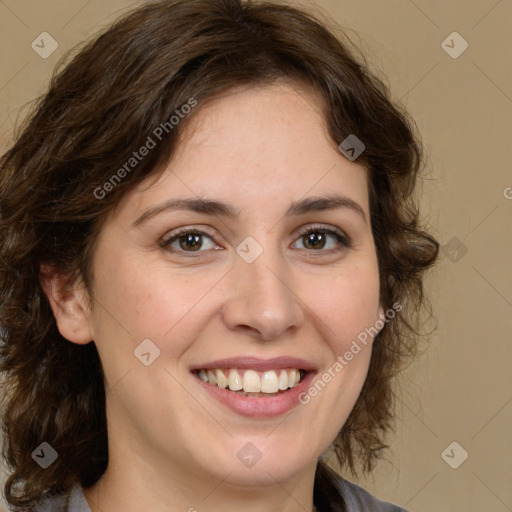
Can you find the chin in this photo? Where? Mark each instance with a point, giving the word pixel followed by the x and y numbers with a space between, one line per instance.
pixel 263 474
pixel 252 466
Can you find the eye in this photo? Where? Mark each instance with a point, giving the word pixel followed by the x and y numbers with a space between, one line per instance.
pixel 320 238
pixel 188 240
pixel 314 239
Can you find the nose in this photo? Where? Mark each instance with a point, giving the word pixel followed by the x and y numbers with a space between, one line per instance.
pixel 263 301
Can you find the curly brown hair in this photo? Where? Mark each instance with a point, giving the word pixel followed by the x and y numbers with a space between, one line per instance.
pixel 101 105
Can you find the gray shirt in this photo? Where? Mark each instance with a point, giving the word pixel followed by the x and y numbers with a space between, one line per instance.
pixel 356 499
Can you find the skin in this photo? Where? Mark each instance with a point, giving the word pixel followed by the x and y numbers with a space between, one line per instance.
pixel 172 447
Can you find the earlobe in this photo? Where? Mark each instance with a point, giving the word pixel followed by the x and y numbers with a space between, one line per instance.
pixel 68 300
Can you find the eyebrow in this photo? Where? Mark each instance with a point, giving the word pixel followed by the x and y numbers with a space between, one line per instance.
pixel 214 208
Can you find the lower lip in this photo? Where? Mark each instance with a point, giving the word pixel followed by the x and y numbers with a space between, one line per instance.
pixel 259 407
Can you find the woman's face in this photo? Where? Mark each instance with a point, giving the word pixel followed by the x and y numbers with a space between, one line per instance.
pixel 247 294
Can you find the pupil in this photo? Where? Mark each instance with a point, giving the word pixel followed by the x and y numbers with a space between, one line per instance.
pixel 191 241
pixel 314 238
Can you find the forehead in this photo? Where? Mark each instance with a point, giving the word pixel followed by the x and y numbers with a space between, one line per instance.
pixel 256 145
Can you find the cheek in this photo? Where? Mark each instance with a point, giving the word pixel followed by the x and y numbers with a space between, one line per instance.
pixel 150 300
pixel 347 304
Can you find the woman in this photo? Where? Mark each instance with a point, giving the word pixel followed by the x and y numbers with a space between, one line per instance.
pixel 211 268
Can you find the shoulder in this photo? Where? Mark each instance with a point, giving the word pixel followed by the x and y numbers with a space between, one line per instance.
pixel 334 493
pixel 71 501
pixel 356 500
pixel 359 500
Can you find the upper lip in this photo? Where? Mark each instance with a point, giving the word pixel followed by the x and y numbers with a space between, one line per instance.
pixel 255 363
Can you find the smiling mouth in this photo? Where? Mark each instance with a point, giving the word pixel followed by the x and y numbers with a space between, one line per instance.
pixel 252 383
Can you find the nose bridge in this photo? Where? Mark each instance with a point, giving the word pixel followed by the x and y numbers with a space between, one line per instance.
pixel 263 298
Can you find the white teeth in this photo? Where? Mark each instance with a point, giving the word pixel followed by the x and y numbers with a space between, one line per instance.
pixel 283 380
pixel 293 378
pixel 234 381
pixel 251 381
pixel 269 382
pixel 222 381
pixel 211 377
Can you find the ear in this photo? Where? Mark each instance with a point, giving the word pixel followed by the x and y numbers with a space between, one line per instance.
pixel 69 303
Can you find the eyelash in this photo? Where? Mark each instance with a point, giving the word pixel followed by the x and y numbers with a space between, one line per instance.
pixel 341 238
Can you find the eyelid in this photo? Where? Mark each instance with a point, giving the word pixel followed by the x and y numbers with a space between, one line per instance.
pixel 323 227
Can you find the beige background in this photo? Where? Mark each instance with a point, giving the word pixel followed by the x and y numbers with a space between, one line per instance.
pixel 461 388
